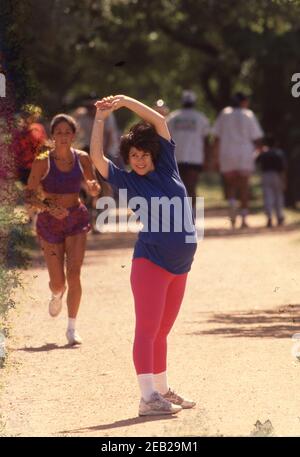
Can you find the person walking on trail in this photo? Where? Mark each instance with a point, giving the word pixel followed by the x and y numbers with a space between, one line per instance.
pixel 160 257
pixel 189 129
pixel 271 160
pixel 237 133
pixel 63 221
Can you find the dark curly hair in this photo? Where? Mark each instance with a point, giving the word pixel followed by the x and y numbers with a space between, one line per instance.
pixel 142 136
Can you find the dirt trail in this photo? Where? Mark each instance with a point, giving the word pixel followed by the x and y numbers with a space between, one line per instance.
pixel 230 349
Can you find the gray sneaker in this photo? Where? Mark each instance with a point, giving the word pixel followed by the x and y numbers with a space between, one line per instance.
pixel 157 406
pixel 176 399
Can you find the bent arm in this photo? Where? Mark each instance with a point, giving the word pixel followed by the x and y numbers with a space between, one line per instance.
pixel 149 115
pixel 215 153
pixel 89 174
pixel 31 191
pixel 207 153
pixel 258 143
pixel 143 111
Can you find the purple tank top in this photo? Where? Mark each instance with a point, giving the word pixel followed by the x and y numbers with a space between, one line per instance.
pixel 63 182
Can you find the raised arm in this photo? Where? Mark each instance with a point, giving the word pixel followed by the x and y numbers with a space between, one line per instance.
pixel 96 147
pixel 145 112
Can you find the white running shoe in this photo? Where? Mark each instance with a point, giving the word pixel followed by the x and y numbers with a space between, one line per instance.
pixel 157 406
pixel 55 304
pixel 176 399
pixel 73 337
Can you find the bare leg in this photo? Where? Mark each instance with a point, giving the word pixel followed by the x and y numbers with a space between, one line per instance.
pixel 54 257
pixel 243 181
pixel 75 249
pixel 231 186
pixel 230 180
pixel 244 191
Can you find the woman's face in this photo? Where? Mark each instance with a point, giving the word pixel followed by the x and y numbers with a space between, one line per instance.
pixel 63 135
pixel 140 161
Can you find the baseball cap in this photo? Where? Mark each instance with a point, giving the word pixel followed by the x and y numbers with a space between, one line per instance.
pixel 188 96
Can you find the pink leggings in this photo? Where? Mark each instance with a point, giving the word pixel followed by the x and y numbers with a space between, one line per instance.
pixel 157 295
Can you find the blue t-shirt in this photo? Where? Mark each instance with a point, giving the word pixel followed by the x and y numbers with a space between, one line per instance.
pixel 168 237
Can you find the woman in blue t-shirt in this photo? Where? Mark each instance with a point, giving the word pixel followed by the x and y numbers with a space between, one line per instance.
pixel 165 246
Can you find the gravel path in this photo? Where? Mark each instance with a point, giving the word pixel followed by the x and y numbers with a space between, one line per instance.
pixel 230 349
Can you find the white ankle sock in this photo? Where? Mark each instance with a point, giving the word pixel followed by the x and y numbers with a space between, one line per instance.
pixel 146 383
pixel 71 323
pixel 161 382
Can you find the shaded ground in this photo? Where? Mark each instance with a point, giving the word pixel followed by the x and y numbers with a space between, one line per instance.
pixel 230 348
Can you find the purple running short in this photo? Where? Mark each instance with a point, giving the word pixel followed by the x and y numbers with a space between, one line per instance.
pixel 55 230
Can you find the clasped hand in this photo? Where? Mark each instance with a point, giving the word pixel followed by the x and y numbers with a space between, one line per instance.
pixel 108 104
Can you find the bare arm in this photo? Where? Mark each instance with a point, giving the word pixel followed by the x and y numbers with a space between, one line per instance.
pixel 258 144
pixel 31 191
pixel 215 153
pixel 89 174
pixel 96 148
pixel 32 199
pixel 145 112
pixel 207 155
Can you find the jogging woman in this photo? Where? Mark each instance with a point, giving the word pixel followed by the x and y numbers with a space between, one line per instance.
pixel 63 221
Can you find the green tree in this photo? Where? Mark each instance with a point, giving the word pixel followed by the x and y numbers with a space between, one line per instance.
pixel 155 49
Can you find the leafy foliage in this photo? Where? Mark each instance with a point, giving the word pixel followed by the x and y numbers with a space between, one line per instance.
pixel 154 49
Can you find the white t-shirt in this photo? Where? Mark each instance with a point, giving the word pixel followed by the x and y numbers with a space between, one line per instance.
pixel 188 127
pixel 237 128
